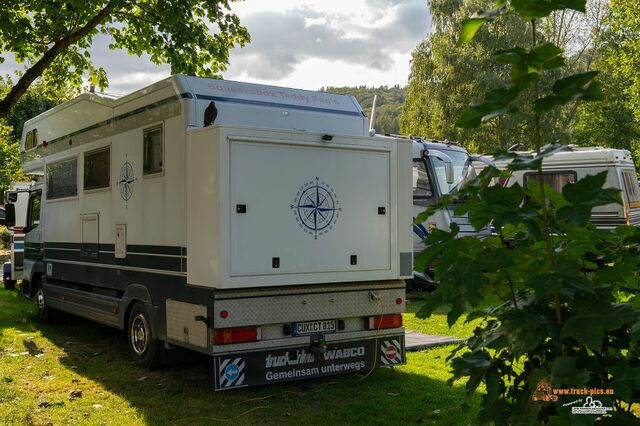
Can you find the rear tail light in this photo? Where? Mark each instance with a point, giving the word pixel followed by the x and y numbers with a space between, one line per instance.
pixel 226 336
pixel 385 321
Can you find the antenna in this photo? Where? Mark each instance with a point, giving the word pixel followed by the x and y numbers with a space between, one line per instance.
pixel 372 120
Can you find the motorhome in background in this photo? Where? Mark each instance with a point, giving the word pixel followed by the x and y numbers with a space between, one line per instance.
pixel 574 163
pixel 18 196
pixel 439 169
pixel 261 225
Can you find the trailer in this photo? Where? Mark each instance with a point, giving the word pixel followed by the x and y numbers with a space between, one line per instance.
pixel 574 163
pixel 260 225
pixel 18 196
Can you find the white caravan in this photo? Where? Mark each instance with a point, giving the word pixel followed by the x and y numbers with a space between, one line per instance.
pixel 439 169
pixel 260 225
pixel 18 195
pixel 574 163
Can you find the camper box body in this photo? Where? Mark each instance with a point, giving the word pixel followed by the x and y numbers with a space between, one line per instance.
pixel 575 163
pixel 278 230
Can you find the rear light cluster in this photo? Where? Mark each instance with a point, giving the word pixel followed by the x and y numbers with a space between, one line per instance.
pixel 226 336
pixel 385 321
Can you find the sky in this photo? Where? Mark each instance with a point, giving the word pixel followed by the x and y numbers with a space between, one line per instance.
pixel 298 43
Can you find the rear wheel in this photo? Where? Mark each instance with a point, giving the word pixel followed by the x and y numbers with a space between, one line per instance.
pixel 144 349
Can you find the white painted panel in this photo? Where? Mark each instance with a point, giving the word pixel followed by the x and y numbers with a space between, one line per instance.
pixel 310 207
pixel 182 325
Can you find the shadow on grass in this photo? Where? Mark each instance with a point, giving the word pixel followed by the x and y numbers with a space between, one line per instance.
pixel 183 393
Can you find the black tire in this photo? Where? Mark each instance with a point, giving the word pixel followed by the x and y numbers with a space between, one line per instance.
pixel 144 349
pixel 44 313
pixel 9 284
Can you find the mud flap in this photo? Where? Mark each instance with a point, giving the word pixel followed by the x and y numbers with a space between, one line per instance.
pixel 297 363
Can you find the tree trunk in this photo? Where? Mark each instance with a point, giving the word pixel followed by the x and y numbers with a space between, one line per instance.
pixel 41 65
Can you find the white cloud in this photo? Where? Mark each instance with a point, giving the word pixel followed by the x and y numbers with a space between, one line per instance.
pixel 299 43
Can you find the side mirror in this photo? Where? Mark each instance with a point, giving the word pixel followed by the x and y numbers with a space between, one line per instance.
pixel 448 171
pixel 9 215
pixel 11 197
pixel 448 162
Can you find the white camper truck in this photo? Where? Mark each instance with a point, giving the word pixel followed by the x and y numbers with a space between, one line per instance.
pixel 18 196
pixel 257 224
pixel 574 163
pixel 439 169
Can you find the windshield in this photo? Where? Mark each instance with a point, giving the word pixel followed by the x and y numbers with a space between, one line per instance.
pixel 460 165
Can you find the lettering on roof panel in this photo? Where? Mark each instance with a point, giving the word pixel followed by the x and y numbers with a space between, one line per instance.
pixel 275 95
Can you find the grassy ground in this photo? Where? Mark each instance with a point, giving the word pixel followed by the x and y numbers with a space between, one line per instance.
pixel 43 367
pixel 436 324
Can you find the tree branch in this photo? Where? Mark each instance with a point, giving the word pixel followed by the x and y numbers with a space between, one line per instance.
pixel 49 56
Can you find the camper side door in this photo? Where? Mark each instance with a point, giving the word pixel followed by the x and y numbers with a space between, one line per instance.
pixel 33 247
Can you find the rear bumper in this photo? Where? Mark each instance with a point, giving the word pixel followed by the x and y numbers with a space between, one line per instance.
pixel 297 362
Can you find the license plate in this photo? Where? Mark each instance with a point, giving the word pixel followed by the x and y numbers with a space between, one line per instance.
pixel 313 327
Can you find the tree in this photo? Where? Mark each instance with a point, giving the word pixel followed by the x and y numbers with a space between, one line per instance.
pixel 447 76
pixel 559 299
pixel 611 122
pixel 53 37
pixel 38 99
pixel 390 101
pixel 624 48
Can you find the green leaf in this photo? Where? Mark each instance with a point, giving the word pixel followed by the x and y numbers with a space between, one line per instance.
pixel 635 333
pixel 626 382
pixel 496 103
pixel 588 191
pixel 536 9
pixel 469 29
pixel 471 25
pixel 573 88
pixel 565 372
pixel 527 64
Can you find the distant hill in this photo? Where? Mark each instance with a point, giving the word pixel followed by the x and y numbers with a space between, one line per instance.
pixel 390 101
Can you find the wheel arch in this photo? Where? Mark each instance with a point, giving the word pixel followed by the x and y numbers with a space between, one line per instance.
pixel 137 293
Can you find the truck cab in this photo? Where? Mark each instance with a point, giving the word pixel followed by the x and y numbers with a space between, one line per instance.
pixel 439 169
pixel 16 200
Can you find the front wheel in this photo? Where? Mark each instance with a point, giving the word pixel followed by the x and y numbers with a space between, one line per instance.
pixel 144 349
pixel 9 284
pixel 44 313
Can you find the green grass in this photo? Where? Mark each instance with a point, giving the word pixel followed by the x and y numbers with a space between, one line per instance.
pixel 436 323
pixel 40 365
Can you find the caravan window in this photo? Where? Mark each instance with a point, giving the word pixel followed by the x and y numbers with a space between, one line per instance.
pixel 62 179
pixel 556 180
pixel 97 169
pixel 28 142
pixel 153 155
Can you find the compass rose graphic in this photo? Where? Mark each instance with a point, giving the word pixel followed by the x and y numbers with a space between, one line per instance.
pixel 316 207
pixel 126 181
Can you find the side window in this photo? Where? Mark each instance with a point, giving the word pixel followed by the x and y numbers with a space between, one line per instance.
pixel 556 180
pixel 421 184
pixel 422 189
pixel 34 210
pixel 97 169
pixel 631 187
pixel 62 179
pixel 28 141
pixel 153 151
